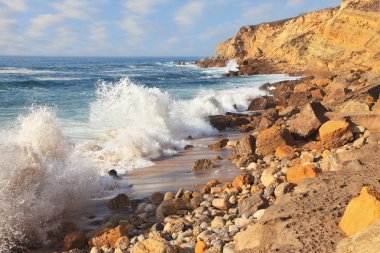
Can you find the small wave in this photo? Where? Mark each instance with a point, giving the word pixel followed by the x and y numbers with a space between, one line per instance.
pixel 39 175
pixel 58 78
pixel 24 71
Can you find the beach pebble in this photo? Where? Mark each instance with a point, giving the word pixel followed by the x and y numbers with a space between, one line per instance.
pixel 259 214
pixel 218 222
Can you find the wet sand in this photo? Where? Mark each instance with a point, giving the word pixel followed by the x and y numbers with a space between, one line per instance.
pixel 168 174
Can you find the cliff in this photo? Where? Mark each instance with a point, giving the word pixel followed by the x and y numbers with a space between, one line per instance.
pixel 334 40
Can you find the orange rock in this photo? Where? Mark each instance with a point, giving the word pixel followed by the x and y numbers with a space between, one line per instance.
pixel 284 152
pixel 243 179
pixel 321 82
pixel 107 237
pixel 200 247
pixel 335 133
pixel 269 139
pixel 296 174
pixel 122 242
pixel 361 212
pixel 317 94
pixel 212 183
pixel 301 88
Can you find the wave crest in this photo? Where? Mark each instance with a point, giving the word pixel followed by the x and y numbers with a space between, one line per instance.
pixel 39 175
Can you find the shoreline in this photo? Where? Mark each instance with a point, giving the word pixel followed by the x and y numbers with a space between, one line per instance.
pixel 222 214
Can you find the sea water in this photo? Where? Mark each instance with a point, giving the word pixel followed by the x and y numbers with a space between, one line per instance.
pixel 66 121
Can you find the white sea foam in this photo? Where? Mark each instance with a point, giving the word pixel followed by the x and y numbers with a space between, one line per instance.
pixel 141 124
pixel 24 71
pixel 39 175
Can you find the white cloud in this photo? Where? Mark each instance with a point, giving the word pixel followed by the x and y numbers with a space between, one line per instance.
pixel 189 14
pixel 136 21
pixel 67 9
pixel 75 9
pixel 15 5
pixel 98 34
pixel 42 22
pixel 65 38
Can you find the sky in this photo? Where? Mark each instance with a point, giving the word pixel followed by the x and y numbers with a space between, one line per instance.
pixel 134 27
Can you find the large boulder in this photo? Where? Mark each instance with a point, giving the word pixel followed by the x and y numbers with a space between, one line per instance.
pixel 245 146
pixel 354 107
pixel 269 139
pixel 154 244
pixel 335 133
pixel 107 237
pixel 120 201
pixel 361 212
pixel 308 121
pixel 365 241
pixel 203 164
pixel 260 103
pixel 296 174
pixel 250 205
pixel 370 121
pixel 218 145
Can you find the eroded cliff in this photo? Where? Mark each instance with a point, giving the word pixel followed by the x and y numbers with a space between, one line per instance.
pixel 339 39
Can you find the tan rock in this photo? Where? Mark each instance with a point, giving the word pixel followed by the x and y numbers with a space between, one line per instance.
pixel 203 164
pixel 218 145
pixel 370 121
pixel 376 107
pixel 365 241
pixel 268 140
pixel 107 237
pixel 354 107
pixel 245 146
pixel 154 244
pixel 267 177
pixel 221 203
pixel 335 133
pixel 308 121
pixel 285 152
pixel 361 212
pixel 296 174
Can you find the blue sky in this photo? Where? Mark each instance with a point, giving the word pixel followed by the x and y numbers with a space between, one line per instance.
pixel 134 27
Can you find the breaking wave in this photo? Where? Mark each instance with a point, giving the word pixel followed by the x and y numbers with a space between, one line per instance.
pixel 142 124
pixel 39 175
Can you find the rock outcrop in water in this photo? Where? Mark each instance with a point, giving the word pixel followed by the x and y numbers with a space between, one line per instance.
pixel 335 39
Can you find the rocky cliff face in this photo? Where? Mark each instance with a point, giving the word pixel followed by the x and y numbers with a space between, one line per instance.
pixel 336 39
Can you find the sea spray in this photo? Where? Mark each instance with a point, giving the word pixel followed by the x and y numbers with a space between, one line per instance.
pixel 141 124
pixel 39 175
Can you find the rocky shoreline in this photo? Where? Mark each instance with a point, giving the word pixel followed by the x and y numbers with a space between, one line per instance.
pixel 304 157
pixel 309 152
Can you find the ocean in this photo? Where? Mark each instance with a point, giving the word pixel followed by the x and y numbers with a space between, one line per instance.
pixel 66 121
